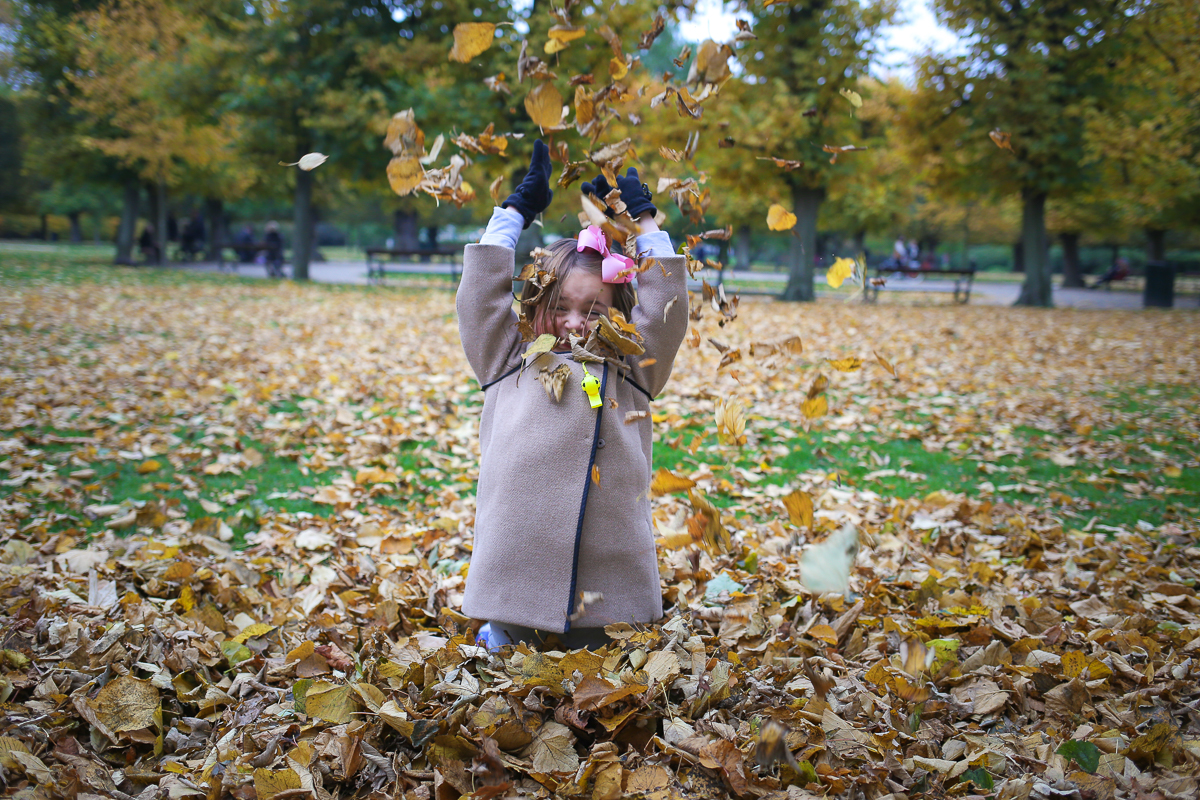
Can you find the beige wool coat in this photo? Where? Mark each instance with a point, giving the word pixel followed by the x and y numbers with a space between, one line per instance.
pixel 544 531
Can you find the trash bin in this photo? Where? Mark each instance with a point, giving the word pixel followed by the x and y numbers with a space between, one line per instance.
pixel 1160 285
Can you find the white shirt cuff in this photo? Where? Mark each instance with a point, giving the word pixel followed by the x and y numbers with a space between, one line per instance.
pixel 656 244
pixel 503 228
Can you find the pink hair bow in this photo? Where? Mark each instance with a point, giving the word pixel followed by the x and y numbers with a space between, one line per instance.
pixel 615 268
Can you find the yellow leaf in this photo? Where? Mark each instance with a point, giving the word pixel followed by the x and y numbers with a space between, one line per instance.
pixel 544 106
pixel 667 482
pixel 8 746
pixel 146 467
pixel 1173 472
pixel 854 97
pixel 842 269
pixel 731 421
pixel 270 782
pixel 617 68
pixel 1073 663
pixel 846 364
pixel 1003 140
pixel 126 704
pixel 799 506
pixel 596 475
pixel 824 633
pixel 375 475
pixel 187 598
pixel 883 362
pixel 405 174
pixel 253 632
pixel 565 33
pixel 780 219
pixel 471 39
pixel 403 135
pixel 329 702
pixel 815 407
pixel 542 344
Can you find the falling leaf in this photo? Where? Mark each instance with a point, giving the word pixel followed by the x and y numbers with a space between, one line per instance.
pixel 554 380
pixel 883 362
pixel 544 106
pixel 497 84
pixel 848 364
pixel 471 39
pixel 667 482
pixel 814 407
pixel 405 174
pixel 842 269
pixel 308 162
pixel 783 162
pixel 543 344
pixel 826 567
pixel 1003 140
pixel 854 97
pixel 799 506
pixel 731 421
pixel 403 134
pixel 780 219
pixel 496 190
pixel 837 151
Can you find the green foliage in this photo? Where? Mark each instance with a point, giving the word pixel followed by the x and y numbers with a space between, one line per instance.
pixel 1085 754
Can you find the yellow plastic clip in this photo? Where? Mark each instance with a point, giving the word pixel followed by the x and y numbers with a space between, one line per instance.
pixel 591 385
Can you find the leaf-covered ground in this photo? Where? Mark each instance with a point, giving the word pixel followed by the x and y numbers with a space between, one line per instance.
pixel 237 518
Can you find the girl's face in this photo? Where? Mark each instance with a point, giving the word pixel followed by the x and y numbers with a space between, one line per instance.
pixel 582 298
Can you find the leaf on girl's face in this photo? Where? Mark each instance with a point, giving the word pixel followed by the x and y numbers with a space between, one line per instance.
pixel 308 162
pixel 544 106
pixel 405 174
pixel 780 219
pixel 471 39
pixel 854 97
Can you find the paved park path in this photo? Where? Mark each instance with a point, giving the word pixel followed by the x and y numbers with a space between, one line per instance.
pixel 982 292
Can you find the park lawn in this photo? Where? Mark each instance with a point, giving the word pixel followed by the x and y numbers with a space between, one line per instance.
pixel 1148 439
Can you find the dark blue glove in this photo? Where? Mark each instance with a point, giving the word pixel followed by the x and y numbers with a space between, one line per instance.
pixel 533 196
pixel 635 194
pixel 599 188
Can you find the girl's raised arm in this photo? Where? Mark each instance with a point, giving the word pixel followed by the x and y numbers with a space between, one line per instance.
pixel 487 324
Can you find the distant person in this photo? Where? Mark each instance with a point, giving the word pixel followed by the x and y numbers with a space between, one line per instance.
pixel 149 245
pixel 274 243
pixel 1119 271
pixel 914 254
pixel 192 240
pixel 899 253
pixel 244 237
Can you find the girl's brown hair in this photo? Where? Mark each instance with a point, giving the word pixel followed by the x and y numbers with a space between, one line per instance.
pixel 561 260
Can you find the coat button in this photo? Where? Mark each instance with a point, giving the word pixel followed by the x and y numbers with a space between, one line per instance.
pixel 599 443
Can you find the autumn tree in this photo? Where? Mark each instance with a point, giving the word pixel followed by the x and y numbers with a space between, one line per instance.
pixel 805 60
pixel 1030 71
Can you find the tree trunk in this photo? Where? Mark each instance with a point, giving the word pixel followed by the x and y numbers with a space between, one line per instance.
pixel 129 215
pixel 302 233
pixel 741 246
pixel 160 227
pixel 404 226
pixel 806 205
pixel 1036 291
pixel 1156 239
pixel 214 212
pixel 1018 257
pixel 76 231
pixel 860 244
pixel 431 236
pixel 1072 274
pixel 45 228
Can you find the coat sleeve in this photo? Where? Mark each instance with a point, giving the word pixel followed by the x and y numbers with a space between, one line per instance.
pixel 487 324
pixel 661 316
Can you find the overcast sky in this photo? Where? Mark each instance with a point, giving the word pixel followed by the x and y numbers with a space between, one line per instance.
pixel 917 32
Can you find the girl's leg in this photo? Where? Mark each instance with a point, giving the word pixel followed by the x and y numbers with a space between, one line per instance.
pixel 498 634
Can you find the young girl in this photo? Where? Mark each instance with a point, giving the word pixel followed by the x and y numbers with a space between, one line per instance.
pixel 563 507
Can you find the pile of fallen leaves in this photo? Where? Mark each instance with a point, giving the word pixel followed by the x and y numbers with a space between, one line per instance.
pixel 983 646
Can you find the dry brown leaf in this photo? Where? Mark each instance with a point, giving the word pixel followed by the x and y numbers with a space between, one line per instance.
pixel 471 39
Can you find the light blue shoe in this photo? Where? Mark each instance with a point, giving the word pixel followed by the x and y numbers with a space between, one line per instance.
pixel 492 637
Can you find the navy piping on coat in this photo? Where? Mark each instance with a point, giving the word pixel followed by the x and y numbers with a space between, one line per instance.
pixel 502 377
pixel 587 484
pixel 517 368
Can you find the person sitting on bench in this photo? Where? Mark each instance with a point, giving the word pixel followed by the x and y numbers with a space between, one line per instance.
pixel 1119 271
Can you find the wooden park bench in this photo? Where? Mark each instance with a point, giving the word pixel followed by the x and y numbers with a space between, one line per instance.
pixel 963 279
pixel 379 257
pixel 256 247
